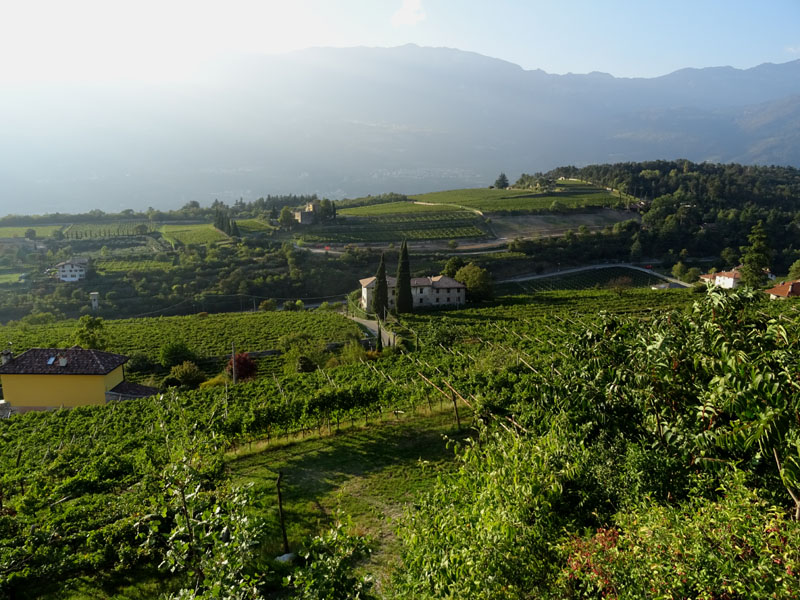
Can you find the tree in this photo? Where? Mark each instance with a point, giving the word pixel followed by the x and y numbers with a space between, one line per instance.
pixel 268 305
pixel 501 182
pixel 477 280
pixel 245 366
pixel 286 218
pixel 755 257
pixel 175 353
pixel 91 333
pixel 188 374
pixel 453 264
pixel 679 270
pixel 403 300
pixel 729 257
pixel 380 297
pixel 794 270
pixel 30 234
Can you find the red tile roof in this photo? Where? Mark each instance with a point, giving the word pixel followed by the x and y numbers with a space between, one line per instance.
pixel 787 289
pixel 45 361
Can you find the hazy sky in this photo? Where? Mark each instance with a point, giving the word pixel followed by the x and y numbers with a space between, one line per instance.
pixel 156 40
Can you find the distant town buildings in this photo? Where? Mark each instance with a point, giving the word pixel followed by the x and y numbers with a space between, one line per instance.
pixel 427 292
pixel 307 214
pixel 784 290
pixel 728 279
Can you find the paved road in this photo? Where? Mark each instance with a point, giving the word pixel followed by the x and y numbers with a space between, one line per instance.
pixel 593 268
pixel 372 326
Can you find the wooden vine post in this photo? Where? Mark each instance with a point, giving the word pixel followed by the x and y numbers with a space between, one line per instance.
pixel 280 515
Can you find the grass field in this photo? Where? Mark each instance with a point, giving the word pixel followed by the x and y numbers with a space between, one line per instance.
pixel 9 277
pixel 398 208
pixel 192 234
pixel 568 196
pixel 370 473
pixel 42 231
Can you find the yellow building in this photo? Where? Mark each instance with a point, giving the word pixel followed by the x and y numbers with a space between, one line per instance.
pixel 45 378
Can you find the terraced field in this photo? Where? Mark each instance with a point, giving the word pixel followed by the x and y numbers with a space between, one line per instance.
pixel 435 225
pixel 42 231
pixel 252 226
pixel 611 277
pixel 400 208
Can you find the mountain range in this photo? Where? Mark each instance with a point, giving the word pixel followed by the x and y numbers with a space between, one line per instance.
pixel 354 121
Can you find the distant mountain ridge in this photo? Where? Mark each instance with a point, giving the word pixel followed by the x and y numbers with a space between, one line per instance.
pixel 354 121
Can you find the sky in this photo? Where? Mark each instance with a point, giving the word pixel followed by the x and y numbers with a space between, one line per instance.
pixel 166 40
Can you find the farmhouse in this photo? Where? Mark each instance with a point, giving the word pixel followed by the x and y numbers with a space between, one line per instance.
pixel 438 290
pixel 785 290
pixel 72 270
pixel 46 378
pixel 728 279
pixel 724 279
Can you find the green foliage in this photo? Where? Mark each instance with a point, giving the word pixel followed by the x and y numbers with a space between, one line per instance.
pixel 478 281
pixel 735 546
pixel 756 258
pixel 404 302
pixel 187 374
pixel 794 270
pixel 501 182
pixel 453 264
pixel 91 333
pixel 328 574
pixel 174 353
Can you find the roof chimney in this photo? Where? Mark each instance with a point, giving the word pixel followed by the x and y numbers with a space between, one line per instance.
pixel 62 360
pixel 6 356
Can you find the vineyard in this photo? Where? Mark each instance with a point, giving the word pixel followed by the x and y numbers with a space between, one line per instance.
pixel 398 208
pixel 204 334
pixel 104 266
pixel 610 277
pixel 567 196
pixel 253 226
pixel 567 460
pixel 436 225
pixel 192 234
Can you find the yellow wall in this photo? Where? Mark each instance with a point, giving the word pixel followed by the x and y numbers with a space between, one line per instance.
pixel 58 390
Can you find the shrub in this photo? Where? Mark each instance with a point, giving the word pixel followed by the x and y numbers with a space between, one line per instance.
pixel 175 353
pixel 188 374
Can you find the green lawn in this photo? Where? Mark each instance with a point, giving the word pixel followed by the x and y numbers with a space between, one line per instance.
pixel 9 277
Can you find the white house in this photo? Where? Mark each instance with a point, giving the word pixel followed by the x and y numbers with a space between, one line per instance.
pixel 72 270
pixel 425 291
pixel 728 279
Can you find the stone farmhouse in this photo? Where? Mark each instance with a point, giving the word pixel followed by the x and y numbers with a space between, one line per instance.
pixel 47 378
pixel 427 292
pixel 308 214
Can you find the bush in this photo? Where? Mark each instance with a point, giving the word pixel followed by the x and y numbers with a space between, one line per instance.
pixel 175 353
pixel 188 374
pixel 246 367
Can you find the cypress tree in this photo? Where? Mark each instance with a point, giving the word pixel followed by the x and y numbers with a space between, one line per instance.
pixel 403 300
pixel 380 297
pixel 379 341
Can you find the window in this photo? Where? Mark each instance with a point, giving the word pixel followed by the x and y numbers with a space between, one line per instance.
pixel 437 301
pixel 420 300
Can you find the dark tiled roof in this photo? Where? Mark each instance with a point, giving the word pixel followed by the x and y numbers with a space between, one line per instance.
pixel 79 362
pixel 133 390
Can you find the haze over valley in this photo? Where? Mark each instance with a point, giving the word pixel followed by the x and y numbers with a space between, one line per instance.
pixel 346 122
